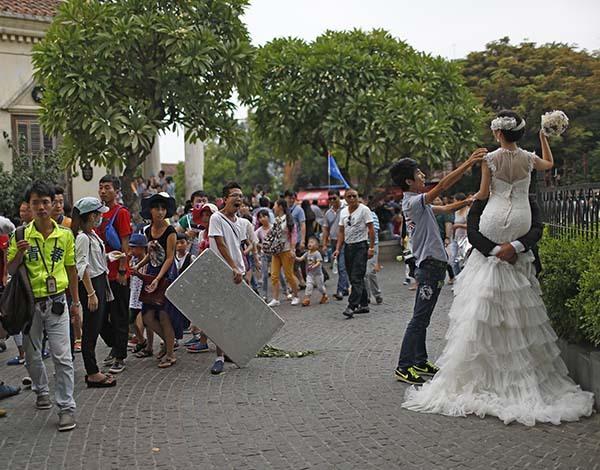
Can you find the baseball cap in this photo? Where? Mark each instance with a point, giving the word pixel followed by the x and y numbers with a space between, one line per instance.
pixel 90 204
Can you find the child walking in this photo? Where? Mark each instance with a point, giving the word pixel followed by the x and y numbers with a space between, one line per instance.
pixel 314 272
pixel 137 251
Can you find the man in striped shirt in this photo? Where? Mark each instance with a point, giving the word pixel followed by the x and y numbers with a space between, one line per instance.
pixel 371 283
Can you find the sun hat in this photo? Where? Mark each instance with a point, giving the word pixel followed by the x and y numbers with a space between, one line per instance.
pixel 198 210
pixel 163 197
pixel 138 239
pixel 90 204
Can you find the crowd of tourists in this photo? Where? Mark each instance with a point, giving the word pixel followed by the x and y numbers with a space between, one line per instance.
pixel 96 273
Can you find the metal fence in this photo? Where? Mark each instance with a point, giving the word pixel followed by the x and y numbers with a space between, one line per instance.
pixel 572 211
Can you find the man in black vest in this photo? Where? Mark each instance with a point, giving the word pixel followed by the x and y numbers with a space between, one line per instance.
pixel 507 251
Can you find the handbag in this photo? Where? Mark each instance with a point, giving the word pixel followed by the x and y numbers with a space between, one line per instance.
pixel 157 297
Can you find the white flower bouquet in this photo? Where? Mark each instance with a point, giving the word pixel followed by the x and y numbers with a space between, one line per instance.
pixel 554 123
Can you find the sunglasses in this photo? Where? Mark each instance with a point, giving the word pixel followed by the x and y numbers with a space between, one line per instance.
pixel 350 221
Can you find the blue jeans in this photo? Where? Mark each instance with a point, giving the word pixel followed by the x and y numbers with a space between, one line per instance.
pixel 343 283
pixel 430 275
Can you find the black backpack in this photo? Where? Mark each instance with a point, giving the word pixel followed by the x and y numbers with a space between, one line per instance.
pixel 17 301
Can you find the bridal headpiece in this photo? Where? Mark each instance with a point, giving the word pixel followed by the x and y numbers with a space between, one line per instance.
pixel 506 123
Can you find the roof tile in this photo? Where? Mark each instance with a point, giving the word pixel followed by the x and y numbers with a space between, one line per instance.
pixel 29 7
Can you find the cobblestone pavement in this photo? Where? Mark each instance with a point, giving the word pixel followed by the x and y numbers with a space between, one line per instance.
pixel 337 409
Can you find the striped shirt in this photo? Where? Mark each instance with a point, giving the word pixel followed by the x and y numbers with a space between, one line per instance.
pixel 376 227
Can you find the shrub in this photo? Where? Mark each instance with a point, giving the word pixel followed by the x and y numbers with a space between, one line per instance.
pixel 587 302
pixel 567 265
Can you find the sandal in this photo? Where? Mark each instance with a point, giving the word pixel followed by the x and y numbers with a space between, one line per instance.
pixel 108 381
pixel 167 362
pixel 162 353
pixel 144 353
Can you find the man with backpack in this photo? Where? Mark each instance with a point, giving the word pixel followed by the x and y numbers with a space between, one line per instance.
pixel 114 232
pixel 48 253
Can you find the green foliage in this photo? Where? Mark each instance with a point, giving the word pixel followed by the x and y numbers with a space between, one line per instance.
pixel 587 302
pixel 367 97
pixel 567 266
pixel 115 74
pixel 534 79
pixel 247 161
pixel 26 169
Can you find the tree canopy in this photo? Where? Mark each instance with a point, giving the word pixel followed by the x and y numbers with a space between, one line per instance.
pixel 367 96
pixel 117 73
pixel 533 79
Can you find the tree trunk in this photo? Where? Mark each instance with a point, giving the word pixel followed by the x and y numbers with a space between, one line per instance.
pixel 130 198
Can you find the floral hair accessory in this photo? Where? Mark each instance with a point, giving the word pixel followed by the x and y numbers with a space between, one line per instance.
pixel 554 123
pixel 506 123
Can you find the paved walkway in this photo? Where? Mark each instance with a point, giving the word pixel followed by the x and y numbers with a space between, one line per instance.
pixel 337 409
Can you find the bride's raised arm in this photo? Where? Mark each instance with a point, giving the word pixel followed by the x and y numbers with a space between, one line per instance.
pixel 484 186
pixel 547 161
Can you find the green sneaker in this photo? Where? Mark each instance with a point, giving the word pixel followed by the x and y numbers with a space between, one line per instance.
pixel 429 368
pixel 409 376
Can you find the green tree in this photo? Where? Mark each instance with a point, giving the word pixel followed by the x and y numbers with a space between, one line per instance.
pixel 366 96
pixel 115 74
pixel 534 79
pixel 246 159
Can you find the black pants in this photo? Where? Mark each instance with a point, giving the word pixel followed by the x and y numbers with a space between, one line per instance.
pixel 94 324
pixel 118 315
pixel 356 256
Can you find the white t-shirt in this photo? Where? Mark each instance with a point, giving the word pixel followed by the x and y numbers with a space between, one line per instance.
pixel 248 230
pixel 355 224
pixel 233 235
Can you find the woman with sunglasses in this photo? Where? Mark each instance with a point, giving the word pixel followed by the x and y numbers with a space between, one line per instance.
pixel 357 237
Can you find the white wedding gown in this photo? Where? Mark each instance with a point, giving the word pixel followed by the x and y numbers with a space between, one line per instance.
pixel 501 356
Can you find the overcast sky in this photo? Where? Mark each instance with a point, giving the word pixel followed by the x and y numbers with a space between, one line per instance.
pixel 448 28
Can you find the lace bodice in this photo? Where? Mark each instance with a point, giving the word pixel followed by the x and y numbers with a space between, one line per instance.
pixel 507 215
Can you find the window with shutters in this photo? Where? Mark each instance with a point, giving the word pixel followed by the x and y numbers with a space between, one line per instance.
pixel 29 138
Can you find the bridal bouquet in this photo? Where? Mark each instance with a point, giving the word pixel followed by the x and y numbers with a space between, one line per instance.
pixel 554 123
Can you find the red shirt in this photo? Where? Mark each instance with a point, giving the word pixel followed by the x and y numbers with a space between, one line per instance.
pixel 122 225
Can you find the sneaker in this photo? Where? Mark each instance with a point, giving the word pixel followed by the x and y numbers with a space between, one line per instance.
pixel 324 299
pixel 117 367
pixel 306 302
pixel 108 360
pixel 289 296
pixel 364 309
pixel 27 382
pixel 16 361
pixel 338 296
pixel 409 376
pixel 66 422
pixel 349 312
pixel 295 301
pixel 132 343
pixel 429 368
pixel 176 345
pixel 42 402
pixel 197 348
pixel 406 281
pixel 379 300
pixel 217 368
pixel 274 303
pixel 193 340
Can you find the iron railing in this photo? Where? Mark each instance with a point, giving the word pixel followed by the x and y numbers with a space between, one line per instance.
pixel 571 211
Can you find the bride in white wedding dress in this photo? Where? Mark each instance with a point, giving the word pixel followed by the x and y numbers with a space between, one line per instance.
pixel 501 356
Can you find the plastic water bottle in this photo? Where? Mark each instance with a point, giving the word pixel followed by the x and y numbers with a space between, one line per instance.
pixel 335 266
